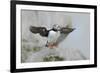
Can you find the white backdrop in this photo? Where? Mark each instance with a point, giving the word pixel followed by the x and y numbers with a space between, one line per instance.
pixel 5 36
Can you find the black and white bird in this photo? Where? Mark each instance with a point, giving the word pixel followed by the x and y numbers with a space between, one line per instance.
pixel 54 35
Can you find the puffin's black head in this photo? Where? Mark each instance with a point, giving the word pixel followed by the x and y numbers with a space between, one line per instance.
pixel 56 27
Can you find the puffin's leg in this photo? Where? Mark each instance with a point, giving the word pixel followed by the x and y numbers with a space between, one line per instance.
pixel 48 45
pixel 55 45
pixel 51 45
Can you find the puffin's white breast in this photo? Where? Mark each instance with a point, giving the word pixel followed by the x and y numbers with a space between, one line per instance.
pixel 53 36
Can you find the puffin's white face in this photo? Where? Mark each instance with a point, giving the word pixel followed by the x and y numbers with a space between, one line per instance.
pixel 57 27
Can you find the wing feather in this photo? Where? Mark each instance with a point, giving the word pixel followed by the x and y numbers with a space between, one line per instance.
pixel 41 30
pixel 66 30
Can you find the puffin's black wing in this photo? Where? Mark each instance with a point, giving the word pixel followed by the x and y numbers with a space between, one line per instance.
pixel 65 30
pixel 41 30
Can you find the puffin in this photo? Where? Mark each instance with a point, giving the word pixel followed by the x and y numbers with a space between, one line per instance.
pixel 54 36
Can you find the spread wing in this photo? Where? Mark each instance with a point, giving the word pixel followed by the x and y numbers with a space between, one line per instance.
pixel 66 30
pixel 41 30
pixel 64 33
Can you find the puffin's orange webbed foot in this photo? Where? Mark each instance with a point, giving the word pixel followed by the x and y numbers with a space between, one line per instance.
pixel 55 45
